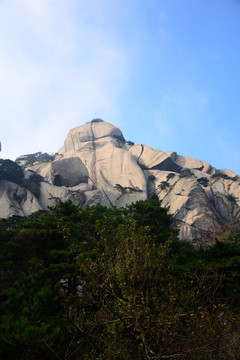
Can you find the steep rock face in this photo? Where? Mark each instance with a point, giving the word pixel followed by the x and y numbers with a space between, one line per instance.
pixel 15 200
pixel 188 202
pixel 101 147
pixel 96 165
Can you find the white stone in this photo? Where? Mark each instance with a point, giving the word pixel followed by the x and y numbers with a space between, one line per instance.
pixel 96 166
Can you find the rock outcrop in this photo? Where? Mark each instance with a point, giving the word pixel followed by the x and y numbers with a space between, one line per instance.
pixel 97 165
pixel 69 172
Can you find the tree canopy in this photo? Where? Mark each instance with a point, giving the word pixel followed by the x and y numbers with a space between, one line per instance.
pixel 100 283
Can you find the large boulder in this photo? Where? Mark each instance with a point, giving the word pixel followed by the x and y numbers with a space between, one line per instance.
pixel 90 132
pixel 69 172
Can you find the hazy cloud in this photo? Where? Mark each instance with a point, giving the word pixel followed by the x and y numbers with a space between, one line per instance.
pixel 54 72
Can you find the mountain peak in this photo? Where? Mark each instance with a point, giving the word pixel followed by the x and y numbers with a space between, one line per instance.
pixel 97 129
pixel 97 166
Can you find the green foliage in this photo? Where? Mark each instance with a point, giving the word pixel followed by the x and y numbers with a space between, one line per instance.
pixel 186 173
pixel 32 312
pixel 233 235
pixel 11 171
pixel 219 175
pixel 96 120
pixel 126 189
pixel 170 176
pixel 120 188
pixel 150 215
pixel 33 184
pixel 45 157
pixel 35 255
pixel 203 181
pixel 8 223
pixel 137 310
pixel 163 185
pixel 30 159
pixel 99 283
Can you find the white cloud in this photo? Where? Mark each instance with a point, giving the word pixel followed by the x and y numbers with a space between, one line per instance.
pixel 56 70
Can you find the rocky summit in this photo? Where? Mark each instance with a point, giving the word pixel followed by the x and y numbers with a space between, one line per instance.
pixel 96 165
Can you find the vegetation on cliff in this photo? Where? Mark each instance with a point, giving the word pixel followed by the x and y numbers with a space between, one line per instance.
pixel 100 283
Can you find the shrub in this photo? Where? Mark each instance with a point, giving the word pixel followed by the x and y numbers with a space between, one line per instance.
pixel 119 188
pixel 127 189
pixel 163 185
pixel 186 173
pixel 203 181
pixel 30 159
pixel 170 176
pixel 11 171
pixel 33 184
pixel 96 120
pixel 221 176
pixel 233 235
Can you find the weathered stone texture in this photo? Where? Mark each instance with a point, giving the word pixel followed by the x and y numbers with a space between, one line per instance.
pixel 96 165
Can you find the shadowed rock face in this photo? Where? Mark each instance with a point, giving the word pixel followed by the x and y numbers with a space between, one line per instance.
pixel 97 165
pixel 69 172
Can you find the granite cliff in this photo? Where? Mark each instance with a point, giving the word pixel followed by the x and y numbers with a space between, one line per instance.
pixel 97 165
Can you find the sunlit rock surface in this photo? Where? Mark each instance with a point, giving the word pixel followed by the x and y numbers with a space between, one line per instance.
pixel 97 166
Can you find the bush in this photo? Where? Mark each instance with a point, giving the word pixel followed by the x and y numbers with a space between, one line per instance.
pixel 30 159
pixel 96 120
pixel 203 181
pixel 186 173
pixel 127 189
pixel 163 185
pixel 220 175
pixel 233 235
pixel 33 184
pixel 11 171
pixel 170 176
pixel 131 290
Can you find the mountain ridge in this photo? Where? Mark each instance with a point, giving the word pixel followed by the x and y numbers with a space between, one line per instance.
pixel 97 165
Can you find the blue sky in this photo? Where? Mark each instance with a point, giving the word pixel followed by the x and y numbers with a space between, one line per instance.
pixel 164 71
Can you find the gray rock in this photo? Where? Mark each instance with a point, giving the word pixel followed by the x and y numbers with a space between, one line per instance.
pixel 15 200
pixel 69 172
pixel 97 166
